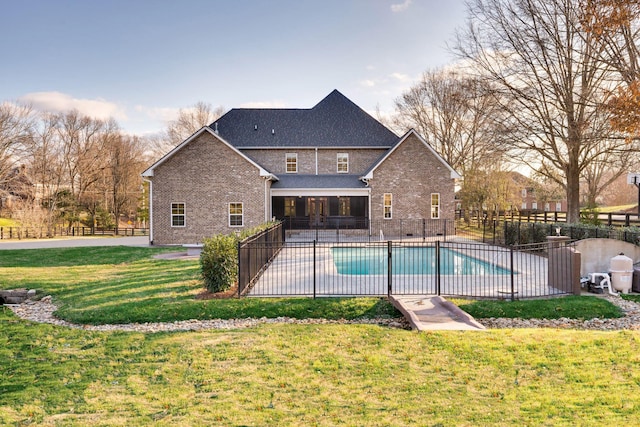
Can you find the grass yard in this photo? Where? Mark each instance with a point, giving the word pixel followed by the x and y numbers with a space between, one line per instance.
pixel 100 285
pixel 317 375
pixel 286 374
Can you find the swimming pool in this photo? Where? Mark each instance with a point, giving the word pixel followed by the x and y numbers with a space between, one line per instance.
pixel 409 260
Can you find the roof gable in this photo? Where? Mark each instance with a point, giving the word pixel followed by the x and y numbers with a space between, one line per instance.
pixel 369 174
pixel 150 171
pixel 334 122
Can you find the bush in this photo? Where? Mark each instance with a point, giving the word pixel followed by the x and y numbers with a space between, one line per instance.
pixel 219 258
pixel 219 262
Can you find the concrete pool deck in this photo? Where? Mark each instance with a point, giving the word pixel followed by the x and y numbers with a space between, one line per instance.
pixel 302 271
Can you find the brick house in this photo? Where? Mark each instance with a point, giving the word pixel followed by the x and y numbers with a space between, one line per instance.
pixel 329 166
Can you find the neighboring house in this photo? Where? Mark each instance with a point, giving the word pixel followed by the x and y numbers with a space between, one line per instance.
pixel 329 166
pixel 532 202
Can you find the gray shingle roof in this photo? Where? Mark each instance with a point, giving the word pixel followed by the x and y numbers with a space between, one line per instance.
pixel 333 122
pixel 318 181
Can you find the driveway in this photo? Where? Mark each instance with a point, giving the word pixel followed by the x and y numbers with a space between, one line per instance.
pixel 74 242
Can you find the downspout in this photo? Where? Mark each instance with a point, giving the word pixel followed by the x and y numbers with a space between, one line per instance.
pixel 150 209
pixel 316 160
pixel 267 211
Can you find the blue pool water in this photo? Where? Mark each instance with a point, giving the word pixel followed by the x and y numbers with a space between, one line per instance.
pixel 409 260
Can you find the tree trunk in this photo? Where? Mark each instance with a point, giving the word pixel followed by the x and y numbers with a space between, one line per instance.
pixel 573 196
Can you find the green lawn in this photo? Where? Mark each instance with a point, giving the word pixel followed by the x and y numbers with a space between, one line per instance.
pixel 125 284
pixel 285 374
pixel 317 375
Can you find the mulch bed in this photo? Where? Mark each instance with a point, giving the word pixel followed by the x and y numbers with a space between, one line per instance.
pixel 229 293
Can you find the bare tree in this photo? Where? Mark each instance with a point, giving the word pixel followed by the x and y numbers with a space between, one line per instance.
pixel 189 120
pixel 46 168
pixel 16 124
pixel 459 117
pixel 548 79
pixel 126 163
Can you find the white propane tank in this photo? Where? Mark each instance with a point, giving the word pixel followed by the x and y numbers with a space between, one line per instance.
pixel 621 269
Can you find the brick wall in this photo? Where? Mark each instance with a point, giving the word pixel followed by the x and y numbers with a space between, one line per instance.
pixel 274 160
pixel 411 173
pixel 205 175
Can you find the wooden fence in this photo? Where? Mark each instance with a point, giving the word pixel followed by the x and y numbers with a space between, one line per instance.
pixel 44 232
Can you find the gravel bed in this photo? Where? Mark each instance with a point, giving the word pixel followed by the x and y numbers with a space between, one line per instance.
pixel 42 312
pixel 631 320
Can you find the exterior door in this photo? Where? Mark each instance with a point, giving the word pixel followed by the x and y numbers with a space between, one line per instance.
pixel 317 211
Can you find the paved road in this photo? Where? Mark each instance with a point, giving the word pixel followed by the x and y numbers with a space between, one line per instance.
pixel 74 242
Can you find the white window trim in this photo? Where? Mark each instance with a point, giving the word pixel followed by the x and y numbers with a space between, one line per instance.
pixel 286 162
pixel 432 205
pixel 184 215
pixel 338 162
pixel 390 206
pixel 241 215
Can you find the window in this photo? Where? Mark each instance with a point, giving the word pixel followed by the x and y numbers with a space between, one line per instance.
pixel 235 215
pixel 292 162
pixel 435 205
pixel 344 206
pixel 524 205
pixel 289 206
pixel 343 163
pixel 387 205
pixel 546 207
pixel 524 192
pixel 177 215
pixel 558 206
pixel 534 205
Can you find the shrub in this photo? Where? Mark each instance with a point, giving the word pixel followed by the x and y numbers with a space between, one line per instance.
pixel 219 262
pixel 219 258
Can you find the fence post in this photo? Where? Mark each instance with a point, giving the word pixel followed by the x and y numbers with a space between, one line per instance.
pixel 314 269
pixel 438 267
pixel 389 268
pixel 239 246
pixel 513 294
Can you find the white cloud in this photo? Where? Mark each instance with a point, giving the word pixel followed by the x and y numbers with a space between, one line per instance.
pixel 158 113
pixel 368 83
pixel 401 77
pixel 56 102
pixel 264 104
pixel 400 7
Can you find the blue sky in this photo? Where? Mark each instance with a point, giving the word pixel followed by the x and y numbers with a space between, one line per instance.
pixel 140 61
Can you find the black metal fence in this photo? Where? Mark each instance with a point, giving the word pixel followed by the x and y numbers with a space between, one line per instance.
pixel 509 233
pixel 44 232
pixel 410 268
pixel 255 254
pixel 365 230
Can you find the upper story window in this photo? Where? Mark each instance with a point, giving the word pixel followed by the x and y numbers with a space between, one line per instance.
pixel 558 206
pixel 343 162
pixel 524 192
pixel 435 205
pixel 387 198
pixel 292 162
pixel 178 217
